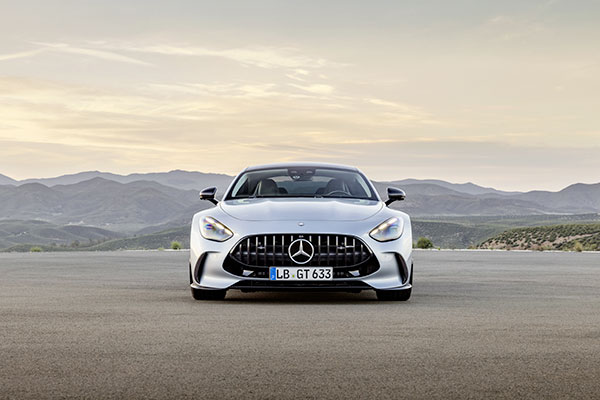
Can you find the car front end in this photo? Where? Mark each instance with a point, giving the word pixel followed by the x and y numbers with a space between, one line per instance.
pixel 262 243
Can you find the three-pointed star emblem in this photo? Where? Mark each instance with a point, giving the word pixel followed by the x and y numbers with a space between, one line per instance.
pixel 301 251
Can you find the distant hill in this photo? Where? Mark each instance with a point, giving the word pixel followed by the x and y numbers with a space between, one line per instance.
pixel 578 237
pixel 5 180
pixel 428 189
pixel 184 180
pixel 454 205
pixel 13 232
pixel 469 231
pixel 187 180
pixel 426 199
pixel 148 203
pixel 152 241
pixel 103 203
pixel 144 242
pixel 468 188
pixel 450 232
pixel 577 198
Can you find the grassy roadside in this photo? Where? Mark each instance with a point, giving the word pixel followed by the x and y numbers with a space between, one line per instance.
pixel 570 237
pixel 159 240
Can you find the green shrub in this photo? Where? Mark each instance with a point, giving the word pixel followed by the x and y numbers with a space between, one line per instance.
pixel 161 249
pixel 35 249
pixel 175 245
pixel 590 247
pixel 424 243
pixel 577 246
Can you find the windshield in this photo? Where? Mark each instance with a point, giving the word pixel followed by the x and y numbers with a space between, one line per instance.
pixel 302 182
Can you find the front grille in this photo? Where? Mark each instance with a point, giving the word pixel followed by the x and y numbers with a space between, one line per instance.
pixel 329 250
pixel 252 256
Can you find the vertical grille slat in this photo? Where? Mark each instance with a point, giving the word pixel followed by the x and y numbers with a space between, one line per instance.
pixel 337 251
pixel 312 260
pixel 345 250
pixel 319 251
pixel 248 251
pixel 328 250
pixel 282 249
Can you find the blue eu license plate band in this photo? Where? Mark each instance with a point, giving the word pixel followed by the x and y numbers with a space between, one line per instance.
pixel 300 273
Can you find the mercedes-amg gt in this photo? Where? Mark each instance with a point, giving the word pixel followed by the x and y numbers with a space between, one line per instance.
pixel 301 226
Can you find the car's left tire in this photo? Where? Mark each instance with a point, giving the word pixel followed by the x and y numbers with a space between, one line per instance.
pixel 393 295
pixel 202 294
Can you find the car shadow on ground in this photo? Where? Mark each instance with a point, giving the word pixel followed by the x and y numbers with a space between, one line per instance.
pixel 364 297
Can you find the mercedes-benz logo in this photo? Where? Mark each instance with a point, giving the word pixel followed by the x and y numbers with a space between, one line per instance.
pixel 301 251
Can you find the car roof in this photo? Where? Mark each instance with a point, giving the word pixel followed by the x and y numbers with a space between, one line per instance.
pixel 300 164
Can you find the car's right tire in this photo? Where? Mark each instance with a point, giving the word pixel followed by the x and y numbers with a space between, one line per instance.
pixel 393 295
pixel 202 294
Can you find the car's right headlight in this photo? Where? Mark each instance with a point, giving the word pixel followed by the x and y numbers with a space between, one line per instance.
pixel 390 229
pixel 212 229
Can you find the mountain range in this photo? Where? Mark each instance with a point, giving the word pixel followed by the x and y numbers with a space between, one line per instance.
pixel 141 204
pixel 15 233
pixel 5 180
pixel 136 201
pixel 123 207
pixel 187 180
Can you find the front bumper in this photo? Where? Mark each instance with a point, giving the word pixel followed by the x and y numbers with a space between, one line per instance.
pixel 207 259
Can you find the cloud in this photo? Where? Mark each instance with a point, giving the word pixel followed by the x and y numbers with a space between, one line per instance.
pixel 258 56
pixel 217 114
pixel 399 112
pixel 295 77
pixel 22 54
pixel 394 105
pixel 315 88
pixel 510 27
pixel 105 55
pixel 223 90
pixel 66 48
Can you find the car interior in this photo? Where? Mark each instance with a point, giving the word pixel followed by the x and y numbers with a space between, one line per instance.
pixel 302 183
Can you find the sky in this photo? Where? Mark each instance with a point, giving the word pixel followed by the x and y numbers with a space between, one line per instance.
pixel 503 94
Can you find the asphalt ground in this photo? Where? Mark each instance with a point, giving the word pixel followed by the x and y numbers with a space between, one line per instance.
pixel 124 325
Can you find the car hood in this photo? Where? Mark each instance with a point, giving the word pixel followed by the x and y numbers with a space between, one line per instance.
pixel 312 209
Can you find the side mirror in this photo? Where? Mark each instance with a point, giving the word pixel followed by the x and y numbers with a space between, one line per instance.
pixel 209 194
pixel 394 194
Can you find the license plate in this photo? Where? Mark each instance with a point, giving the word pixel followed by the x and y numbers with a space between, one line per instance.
pixel 300 274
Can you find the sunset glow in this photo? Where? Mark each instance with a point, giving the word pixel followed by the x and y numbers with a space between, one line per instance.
pixel 503 95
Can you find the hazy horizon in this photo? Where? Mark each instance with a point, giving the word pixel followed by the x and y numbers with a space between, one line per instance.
pixel 234 174
pixel 500 94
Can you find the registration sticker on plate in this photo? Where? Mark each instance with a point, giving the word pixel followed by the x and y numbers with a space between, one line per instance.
pixel 300 274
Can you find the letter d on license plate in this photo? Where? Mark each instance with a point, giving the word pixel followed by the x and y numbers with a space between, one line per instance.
pixel 300 273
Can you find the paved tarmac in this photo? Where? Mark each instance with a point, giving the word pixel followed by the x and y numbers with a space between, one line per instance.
pixel 124 325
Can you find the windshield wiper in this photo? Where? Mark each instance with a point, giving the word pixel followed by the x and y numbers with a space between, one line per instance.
pixel 338 196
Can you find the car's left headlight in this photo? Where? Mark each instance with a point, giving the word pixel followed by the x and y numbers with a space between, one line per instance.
pixel 212 229
pixel 390 229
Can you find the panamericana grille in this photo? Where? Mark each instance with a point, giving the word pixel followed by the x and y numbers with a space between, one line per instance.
pixel 338 251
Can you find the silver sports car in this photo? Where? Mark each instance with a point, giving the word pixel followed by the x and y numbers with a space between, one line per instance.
pixel 301 226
